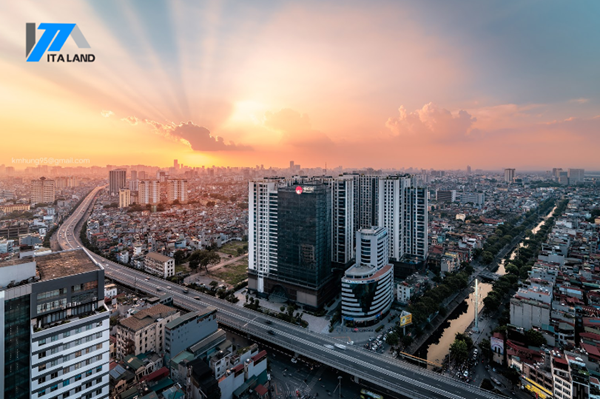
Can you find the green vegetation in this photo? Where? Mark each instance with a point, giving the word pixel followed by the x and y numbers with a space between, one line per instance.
pixel 203 258
pixel 524 260
pixel 233 273
pixel 234 248
pixel 534 338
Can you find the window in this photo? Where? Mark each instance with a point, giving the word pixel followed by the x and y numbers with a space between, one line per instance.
pixel 65 394
pixel 66 334
pixel 66 383
pixel 78 377
pixel 42 355
pixel 42 342
pixel 78 389
pixel 54 388
pixel 98 380
pixel 41 380
pixel 54 338
pixel 42 367
pixel 78 353
pixel 54 375
pixel 41 393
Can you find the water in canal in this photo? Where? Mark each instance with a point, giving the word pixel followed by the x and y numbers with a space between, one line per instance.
pixel 438 344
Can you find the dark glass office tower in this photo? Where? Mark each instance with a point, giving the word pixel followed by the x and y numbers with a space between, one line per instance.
pixel 17 333
pixel 304 235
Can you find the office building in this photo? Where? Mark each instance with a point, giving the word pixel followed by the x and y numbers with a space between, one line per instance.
pixel 176 164
pixel 42 191
pixel 446 196
pixel 144 331
pixel 556 173
pixel 576 176
pixel 563 178
pixel 372 247
pixel 117 179
pixel 509 176
pixel 149 192
pixel 367 289
pixel 177 191
pixel 124 198
pixel 262 230
pixel 159 265
pixel 403 211
pixel 304 244
pixel 474 198
pixel 54 327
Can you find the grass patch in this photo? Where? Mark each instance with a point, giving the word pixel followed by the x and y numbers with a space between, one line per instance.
pixel 234 273
pixel 231 248
pixel 181 268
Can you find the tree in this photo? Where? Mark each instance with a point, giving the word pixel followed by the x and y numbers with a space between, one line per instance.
pixel 203 258
pixel 392 339
pixel 534 338
pixel 459 351
pixel 512 269
pixel 487 257
pixel 179 256
pixel 194 263
pixel 464 337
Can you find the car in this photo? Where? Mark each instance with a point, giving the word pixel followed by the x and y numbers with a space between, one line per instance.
pixel 294 360
pixel 185 290
pixel 147 278
pixel 168 287
pixel 271 332
pixel 158 288
pixel 197 298
pixel 269 322
pixel 328 346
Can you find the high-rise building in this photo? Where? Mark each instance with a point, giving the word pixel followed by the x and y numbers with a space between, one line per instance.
pixel 403 211
pixel 368 198
pixel 563 178
pixel 575 176
pixel 556 173
pixel 42 191
pixel 367 289
pixel 304 243
pixel 177 190
pixel 262 231
pixel 149 192
pixel 342 220
pixel 176 164
pixel 162 176
pixel 142 175
pixel 117 179
pixel 372 247
pixel 509 175
pixel 54 327
pixel 124 198
pixel 134 175
pixel 468 169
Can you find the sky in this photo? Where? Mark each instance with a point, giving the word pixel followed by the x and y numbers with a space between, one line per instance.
pixel 382 84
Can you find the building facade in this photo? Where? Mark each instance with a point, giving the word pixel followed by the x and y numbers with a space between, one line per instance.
pixel 55 327
pixel 124 198
pixel 177 190
pixel 159 265
pixel 42 191
pixel 117 179
pixel 149 192
pixel 509 175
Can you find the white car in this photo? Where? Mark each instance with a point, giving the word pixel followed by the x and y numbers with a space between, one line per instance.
pixel 294 360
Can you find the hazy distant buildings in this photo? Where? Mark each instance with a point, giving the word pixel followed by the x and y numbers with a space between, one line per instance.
pixel 509 175
pixel 124 198
pixel 42 191
pixel 149 192
pixel 177 190
pixel 474 198
pixel 446 196
pixel 576 176
pixel 117 179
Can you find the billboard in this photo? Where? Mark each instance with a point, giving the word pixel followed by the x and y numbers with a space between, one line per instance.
pixel 405 318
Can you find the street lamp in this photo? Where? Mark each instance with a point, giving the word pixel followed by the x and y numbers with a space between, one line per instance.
pixel 340 386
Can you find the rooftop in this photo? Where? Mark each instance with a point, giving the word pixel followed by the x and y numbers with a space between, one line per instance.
pixel 158 257
pixel 145 317
pixel 189 316
pixel 63 264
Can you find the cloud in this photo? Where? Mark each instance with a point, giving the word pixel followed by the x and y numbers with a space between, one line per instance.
pixel 579 100
pixel 197 137
pixel 431 122
pixel 295 128
pixel 131 119
pixel 106 114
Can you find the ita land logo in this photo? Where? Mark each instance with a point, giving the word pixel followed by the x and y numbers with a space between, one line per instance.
pixel 53 40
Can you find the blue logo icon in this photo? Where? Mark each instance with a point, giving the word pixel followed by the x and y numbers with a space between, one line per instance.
pixel 53 39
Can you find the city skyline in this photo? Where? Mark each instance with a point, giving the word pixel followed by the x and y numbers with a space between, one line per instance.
pixel 390 86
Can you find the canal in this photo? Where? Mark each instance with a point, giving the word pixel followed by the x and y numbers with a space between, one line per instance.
pixel 438 344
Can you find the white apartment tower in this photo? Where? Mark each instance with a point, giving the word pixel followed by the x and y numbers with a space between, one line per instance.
pixel 342 220
pixel 403 211
pixel 509 175
pixel 262 229
pixel 124 198
pixel 177 190
pixel 149 192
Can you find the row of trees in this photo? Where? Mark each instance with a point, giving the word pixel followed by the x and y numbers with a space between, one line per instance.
pixel 460 348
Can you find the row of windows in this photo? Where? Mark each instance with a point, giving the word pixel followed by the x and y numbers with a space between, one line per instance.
pixel 57 349
pixel 85 286
pixel 74 391
pixel 68 333
pixel 52 305
pixel 51 294
pixel 74 367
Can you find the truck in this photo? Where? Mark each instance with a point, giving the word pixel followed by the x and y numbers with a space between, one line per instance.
pixel 340 346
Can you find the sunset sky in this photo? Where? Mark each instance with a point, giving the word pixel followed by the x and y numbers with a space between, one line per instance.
pixel 429 84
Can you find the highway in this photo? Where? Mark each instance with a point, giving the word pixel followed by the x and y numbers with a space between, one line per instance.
pixel 395 375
